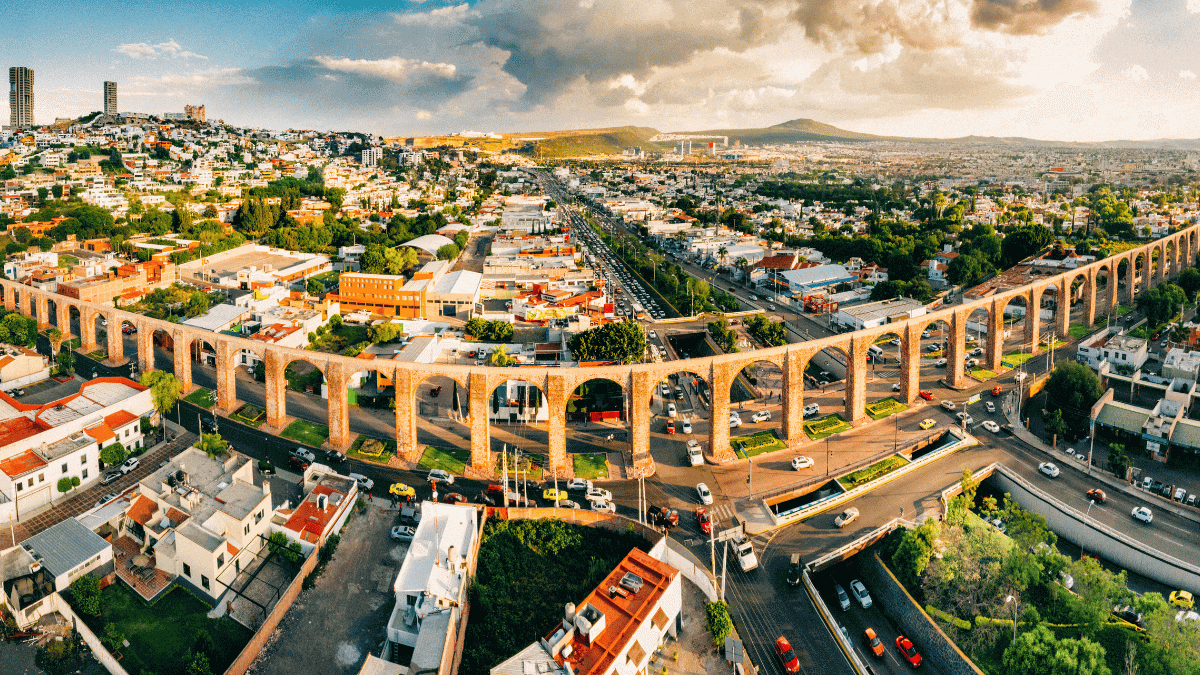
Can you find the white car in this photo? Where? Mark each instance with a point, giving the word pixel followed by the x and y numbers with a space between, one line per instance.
pixel 665 389
pixel 364 483
pixel 991 407
pixel 926 334
pixel 702 492
pixel 811 409
pixel 896 386
pixel 695 456
pixel 734 421
pixel 579 484
pixel 607 507
pixel 440 476
pixel 848 516
pixel 948 404
pixel 129 465
pixel 686 427
pixel 670 410
pixel 1020 377
pixel 861 594
pixel 964 417
pixel 595 494
pixel 653 335
pixel 761 416
pixel 991 426
pixel 1143 514
pixel 1049 469
pixel 404 532
pixel 304 454
pixel 802 463
pixel 941 363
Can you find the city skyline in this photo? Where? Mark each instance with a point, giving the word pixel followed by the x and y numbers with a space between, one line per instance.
pixel 1070 70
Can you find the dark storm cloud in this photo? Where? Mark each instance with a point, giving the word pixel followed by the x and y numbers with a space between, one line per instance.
pixel 1027 17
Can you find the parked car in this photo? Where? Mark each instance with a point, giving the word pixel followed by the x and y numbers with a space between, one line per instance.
pixel 106 499
pixel 703 494
pixel 553 495
pixel 941 363
pixel 595 494
pixel 861 594
pixel 787 655
pixel 404 532
pixel 1191 500
pixel 454 498
pixel 872 643
pixel 802 462
pixel 811 409
pixel 440 476
pixel 304 454
pixel 129 465
pixel 297 464
pixel 846 517
pixel 332 458
pixel 1180 493
pixel 671 410
pixel 907 651
pixel 364 483
pixel 795 570
pixel 110 477
pixel 607 507
pixel 579 484
pixel 402 490
pixel 1143 514
pixel 663 516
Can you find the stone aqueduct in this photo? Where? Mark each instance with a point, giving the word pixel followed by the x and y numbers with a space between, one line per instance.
pixel 1145 266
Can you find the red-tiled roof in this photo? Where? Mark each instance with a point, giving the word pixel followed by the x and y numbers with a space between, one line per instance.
pixel 101 432
pixel 14 467
pixel 119 419
pixel 17 429
pixel 142 509
pixel 308 519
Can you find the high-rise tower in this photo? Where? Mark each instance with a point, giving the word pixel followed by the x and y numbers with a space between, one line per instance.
pixel 110 99
pixel 20 96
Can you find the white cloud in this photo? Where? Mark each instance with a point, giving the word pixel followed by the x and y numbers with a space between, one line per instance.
pixel 1187 74
pixel 169 49
pixel 1193 6
pixel 1136 73
pixel 394 68
pixel 424 115
pixel 178 84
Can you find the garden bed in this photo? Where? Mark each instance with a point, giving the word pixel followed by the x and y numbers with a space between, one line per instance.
pixel 357 451
pixel 307 432
pixel 530 466
pixel 250 414
pixel 204 398
pixel 825 426
pixel 877 470
pixel 883 408
pixel 756 444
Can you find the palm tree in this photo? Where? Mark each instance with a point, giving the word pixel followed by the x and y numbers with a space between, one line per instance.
pixel 741 264
pixel 499 358
pixel 56 338
pixel 722 253
pixel 213 445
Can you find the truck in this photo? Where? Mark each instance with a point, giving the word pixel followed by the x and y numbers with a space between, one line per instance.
pixel 746 557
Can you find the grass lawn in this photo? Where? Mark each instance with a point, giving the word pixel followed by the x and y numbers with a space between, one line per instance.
pixel 592 466
pixel 981 373
pixel 298 382
pixel 530 467
pixel 825 426
pixel 1016 358
pixel 453 460
pixel 250 414
pixel 339 339
pixel 876 470
pixel 1122 310
pixel 1078 331
pixel 756 444
pixel 386 447
pixel 881 409
pixel 161 635
pixel 1057 343
pixel 306 432
pixel 205 398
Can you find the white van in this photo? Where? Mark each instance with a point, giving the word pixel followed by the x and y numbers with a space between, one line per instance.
pixel 875 351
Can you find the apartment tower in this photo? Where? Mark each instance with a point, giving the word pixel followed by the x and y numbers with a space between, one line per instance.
pixel 110 99
pixel 20 96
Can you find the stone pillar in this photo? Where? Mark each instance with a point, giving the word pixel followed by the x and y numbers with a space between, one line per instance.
pixel 1062 312
pixel 1089 299
pixel 276 387
pixel 638 398
pixel 182 351
pixel 87 330
pixel 721 378
pixel 145 344
pixel 226 375
pixel 956 346
pixel 10 298
pixel 116 346
pixel 30 306
pixel 557 391
pixel 856 378
pixel 64 317
pixel 406 414
pixel 792 388
pixel 1130 278
pixel 339 405
pixel 481 446
pixel 43 312
pixel 910 361
pixel 1033 318
pixel 994 351
pixel 1161 268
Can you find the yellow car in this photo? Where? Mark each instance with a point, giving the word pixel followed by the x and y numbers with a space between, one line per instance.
pixel 928 423
pixel 402 490
pixel 1181 599
pixel 554 494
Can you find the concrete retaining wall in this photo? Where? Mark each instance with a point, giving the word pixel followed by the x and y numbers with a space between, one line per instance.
pixel 98 650
pixel 250 652
pixel 670 552
pixel 1091 535
pixel 933 644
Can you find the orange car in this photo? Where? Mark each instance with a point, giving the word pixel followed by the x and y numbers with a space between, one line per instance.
pixel 996 390
pixel 1097 494
pixel 873 643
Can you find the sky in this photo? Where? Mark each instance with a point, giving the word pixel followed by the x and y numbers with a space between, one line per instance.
pixel 1071 70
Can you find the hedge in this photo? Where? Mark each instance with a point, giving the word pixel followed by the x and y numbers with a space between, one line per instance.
pixel 952 620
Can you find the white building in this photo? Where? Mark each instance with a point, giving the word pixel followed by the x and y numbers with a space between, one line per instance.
pixel 105 198
pixel 1125 353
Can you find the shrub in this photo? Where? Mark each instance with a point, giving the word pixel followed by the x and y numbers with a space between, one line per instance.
pixel 952 620
pixel 85 591
pixel 720 624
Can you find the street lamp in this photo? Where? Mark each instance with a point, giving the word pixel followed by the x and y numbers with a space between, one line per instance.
pixel 1015 601
pixel 1091 503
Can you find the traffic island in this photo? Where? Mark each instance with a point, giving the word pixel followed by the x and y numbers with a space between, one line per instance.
pixel 756 444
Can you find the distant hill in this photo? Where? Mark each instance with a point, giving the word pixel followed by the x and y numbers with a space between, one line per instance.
pixel 794 131
pixel 584 142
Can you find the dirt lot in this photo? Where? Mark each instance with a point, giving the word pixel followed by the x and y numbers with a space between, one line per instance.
pixel 331 628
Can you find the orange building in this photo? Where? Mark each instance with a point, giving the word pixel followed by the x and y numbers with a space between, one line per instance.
pixel 382 294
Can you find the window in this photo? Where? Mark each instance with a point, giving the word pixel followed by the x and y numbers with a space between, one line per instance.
pixel 83 460
pixel 220 560
pixel 41 479
pixel 246 530
pixel 127 433
pixel 19 487
pixel 64 467
pixel 187 570
pixel 84 476
pixel 204 581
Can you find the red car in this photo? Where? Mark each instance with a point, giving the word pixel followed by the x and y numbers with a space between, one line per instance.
pixel 704 520
pixel 297 463
pixel 873 643
pixel 996 390
pixel 927 395
pixel 907 651
pixel 670 426
pixel 1097 494
pixel 787 656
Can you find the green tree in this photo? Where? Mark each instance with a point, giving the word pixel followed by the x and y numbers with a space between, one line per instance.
pixel 213 445
pixel 620 341
pixel 385 332
pixel 1073 388
pixel 66 359
pixel 314 287
pixel 914 551
pixel 1022 242
pixel 373 260
pixel 112 454
pixel 720 624
pixel 1189 281
pixel 1055 424
pixel 500 358
pixel 67 483
pixel 335 321
pixel 199 665
pixel 113 638
pixel 165 390
pixel 1039 651
pixel 1118 461
pixel 85 591
pixel 448 252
